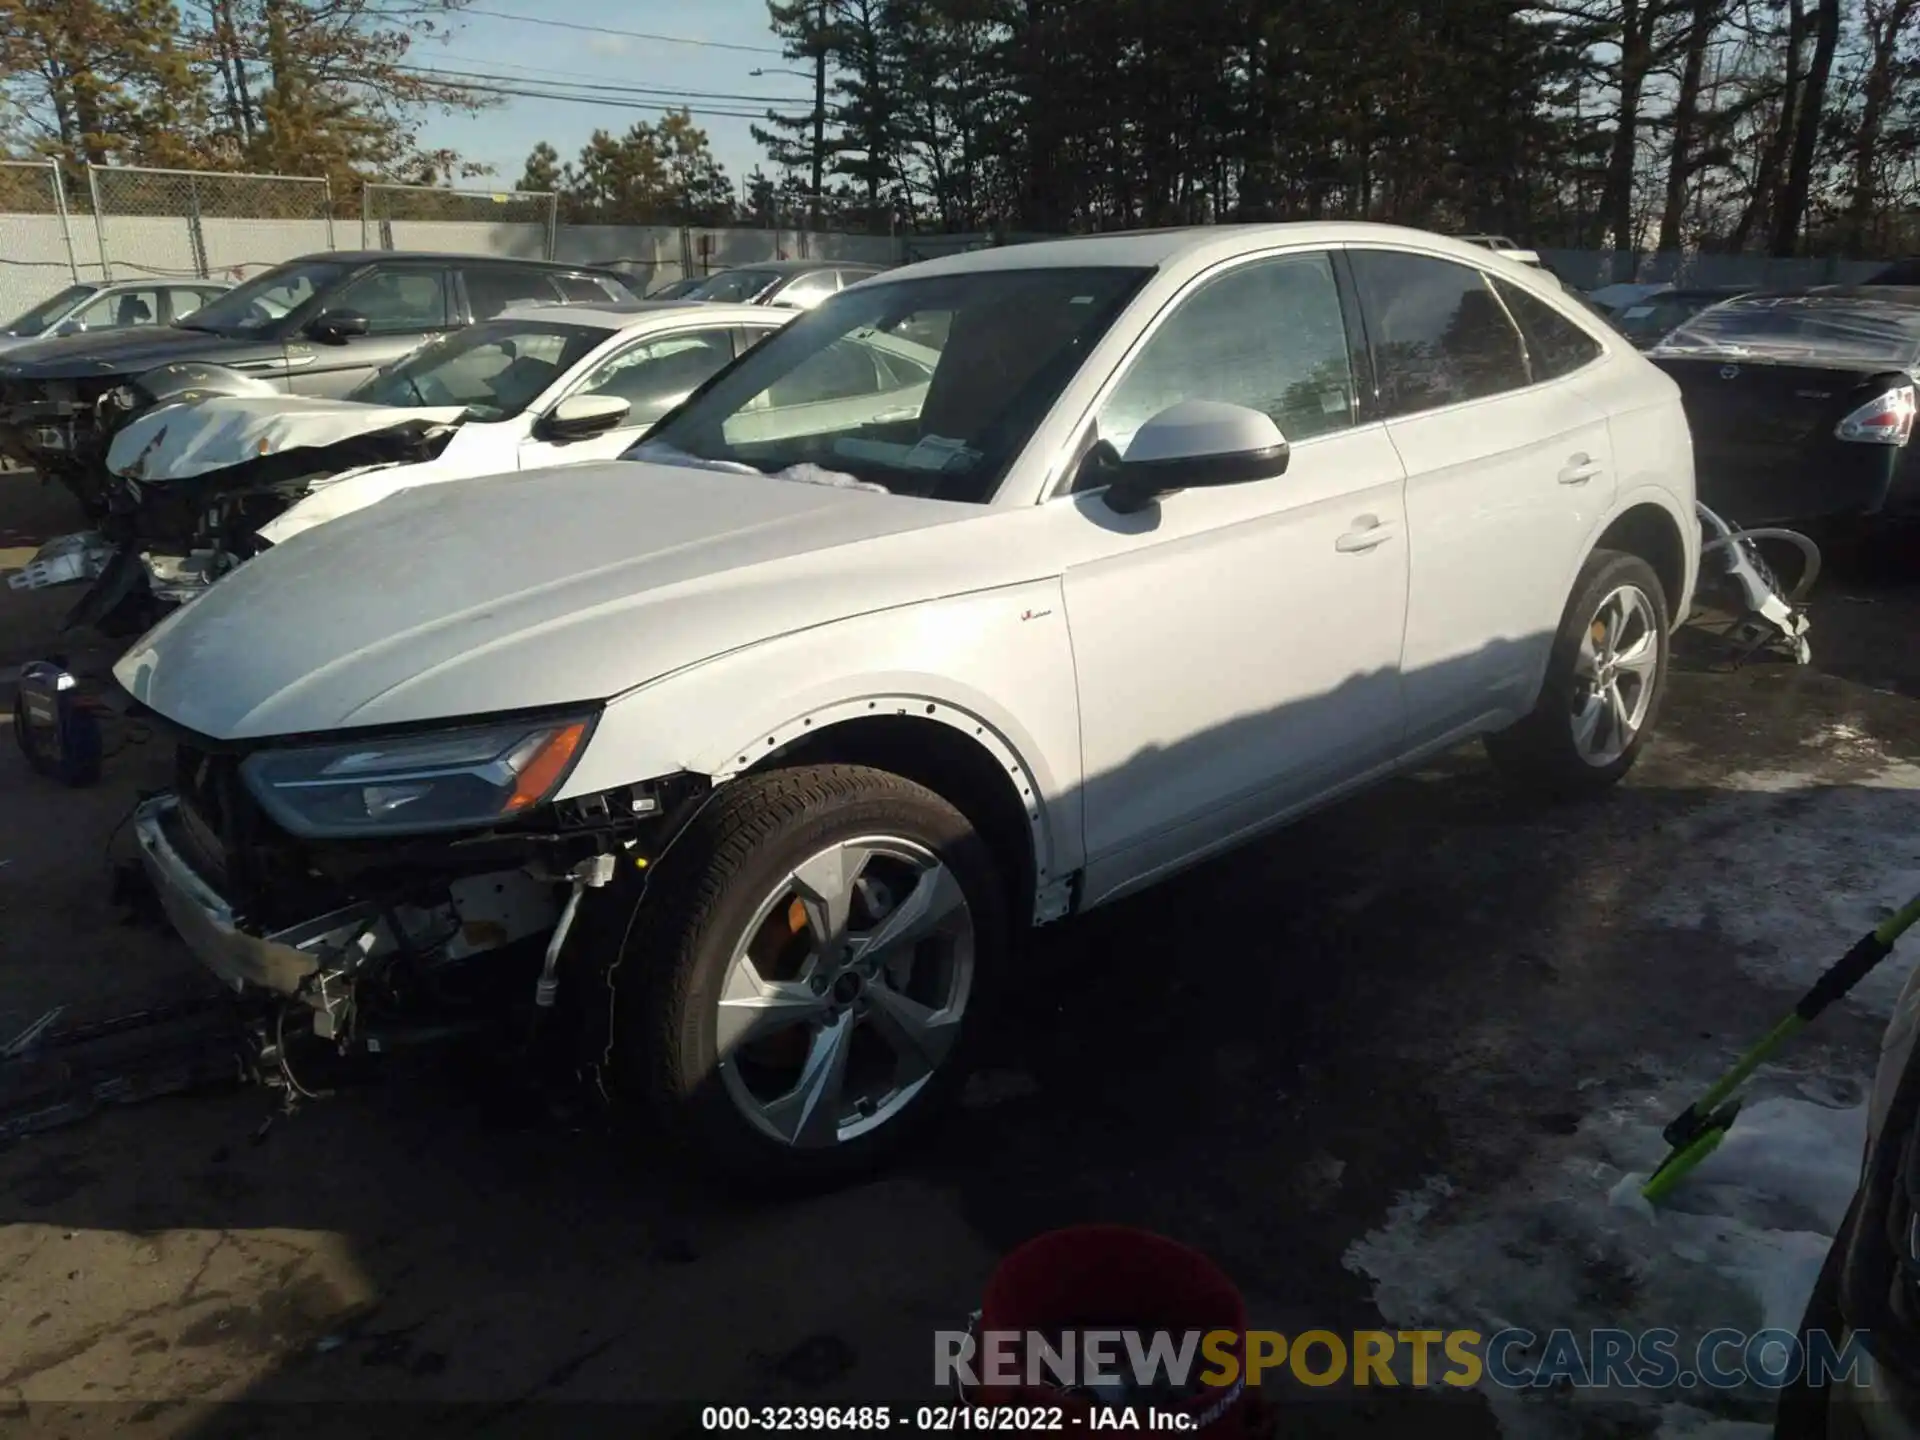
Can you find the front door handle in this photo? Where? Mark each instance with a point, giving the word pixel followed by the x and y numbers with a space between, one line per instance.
pixel 1579 470
pixel 1367 533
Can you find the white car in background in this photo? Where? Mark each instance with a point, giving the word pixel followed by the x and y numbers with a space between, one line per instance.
pixel 226 465
pixel 780 728
pixel 538 385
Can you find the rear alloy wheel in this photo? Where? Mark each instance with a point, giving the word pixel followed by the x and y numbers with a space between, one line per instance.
pixel 795 991
pixel 1605 678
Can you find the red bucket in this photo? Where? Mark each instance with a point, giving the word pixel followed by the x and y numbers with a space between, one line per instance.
pixel 1113 1277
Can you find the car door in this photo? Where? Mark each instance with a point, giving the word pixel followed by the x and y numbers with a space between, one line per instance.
pixel 1506 476
pixel 402 305
pixel 652 375
pixel 1237 648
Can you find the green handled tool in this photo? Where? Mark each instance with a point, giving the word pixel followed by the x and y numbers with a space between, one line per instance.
pixel 1696 1132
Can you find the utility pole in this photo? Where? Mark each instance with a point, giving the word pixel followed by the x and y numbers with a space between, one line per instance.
pixel 819 113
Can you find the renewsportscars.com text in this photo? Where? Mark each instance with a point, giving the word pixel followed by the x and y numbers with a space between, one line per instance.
pixel 1723 1359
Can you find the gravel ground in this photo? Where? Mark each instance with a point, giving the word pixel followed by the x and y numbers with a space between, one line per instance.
pixel 1384 1068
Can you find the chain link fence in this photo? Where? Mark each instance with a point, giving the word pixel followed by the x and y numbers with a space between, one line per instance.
pixel 468 222
pixel 36 236
pixel 204 223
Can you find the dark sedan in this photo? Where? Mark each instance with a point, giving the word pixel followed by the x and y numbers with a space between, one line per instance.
pixel 1802 403
pixel 318 325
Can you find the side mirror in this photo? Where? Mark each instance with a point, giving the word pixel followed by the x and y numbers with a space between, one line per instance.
pixel 336 325
pixel 1193 444
pixel 578 416
pixel 74 326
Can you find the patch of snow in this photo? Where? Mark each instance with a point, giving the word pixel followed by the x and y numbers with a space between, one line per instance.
pixel 1569 1244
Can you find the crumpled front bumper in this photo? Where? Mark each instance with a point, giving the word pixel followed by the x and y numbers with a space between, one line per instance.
pixel 281 962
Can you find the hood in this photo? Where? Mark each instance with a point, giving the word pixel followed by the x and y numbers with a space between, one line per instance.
pixel 546 587
pixel 126 352
pixel 176 442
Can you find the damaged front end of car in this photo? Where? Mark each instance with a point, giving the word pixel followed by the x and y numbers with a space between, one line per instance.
pixel 200 458
pixel 349 931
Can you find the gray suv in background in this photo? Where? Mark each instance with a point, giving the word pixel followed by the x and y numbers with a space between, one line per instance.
pixel 318 325
pixel 84 308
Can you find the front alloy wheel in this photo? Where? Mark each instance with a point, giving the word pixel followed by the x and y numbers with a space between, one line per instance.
pixel 795 986
pixel 846 992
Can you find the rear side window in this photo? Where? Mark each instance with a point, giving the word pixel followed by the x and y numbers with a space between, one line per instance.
pixel 492 288
pixel 1555 345
pixel 584 289
pixel 1440 334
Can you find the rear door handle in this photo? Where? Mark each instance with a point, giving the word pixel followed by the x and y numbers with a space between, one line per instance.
pixel 1579 470
pixel 1367 533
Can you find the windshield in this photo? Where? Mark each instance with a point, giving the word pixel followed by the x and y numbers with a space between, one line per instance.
pixel 250 308
pixel 495 370
pixel 732 286
pixel 1797 327
pixel 921 387
pixel 36 320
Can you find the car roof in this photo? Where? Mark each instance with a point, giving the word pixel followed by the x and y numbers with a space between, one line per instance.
pixel 1197 244
pixel 800 267
pixel 443 257
pixel 628 314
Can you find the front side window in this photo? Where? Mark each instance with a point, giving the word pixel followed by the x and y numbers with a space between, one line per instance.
pixel 36 320
pixel 1555 345
pixel 1440 334
pixel 584 289
pixel 655 376
pixel 1269 335
pixel 183 302
pixel 255 306
pixel 493 370
pixel 734 287
pixel 121 310
pixel 855 387
pixel 808 291
pixel 396 301
pixel 492 288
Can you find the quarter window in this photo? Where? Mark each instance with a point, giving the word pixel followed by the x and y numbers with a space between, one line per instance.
pixel 1269 335
pixel 1555 345
pixel 1440 334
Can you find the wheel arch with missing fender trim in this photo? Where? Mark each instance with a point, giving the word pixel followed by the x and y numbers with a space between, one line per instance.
pixel 972 696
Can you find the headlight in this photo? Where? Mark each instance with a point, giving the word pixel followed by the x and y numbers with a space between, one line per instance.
pixel 445 780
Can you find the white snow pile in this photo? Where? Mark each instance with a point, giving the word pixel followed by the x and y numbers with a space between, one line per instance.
pixel 1785 885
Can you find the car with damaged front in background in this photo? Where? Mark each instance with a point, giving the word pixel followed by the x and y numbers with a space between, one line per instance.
pixel 225 466
pixel 315 326
pixel 746 760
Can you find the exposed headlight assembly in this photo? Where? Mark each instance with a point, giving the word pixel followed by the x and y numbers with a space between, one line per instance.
pixel 414 784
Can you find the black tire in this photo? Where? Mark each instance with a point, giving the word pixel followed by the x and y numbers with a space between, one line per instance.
pixel 1539 753
pixel 665 956
pixel 1801 1411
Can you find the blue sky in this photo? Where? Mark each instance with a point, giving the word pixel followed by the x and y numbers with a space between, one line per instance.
pixel 536 54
